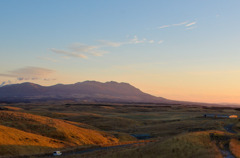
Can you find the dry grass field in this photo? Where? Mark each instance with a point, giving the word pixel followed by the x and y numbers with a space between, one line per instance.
pixel 17 142
pixel 196 144
pixel 177 130
pixel 22 133
pixel 235 147
pixel 54 128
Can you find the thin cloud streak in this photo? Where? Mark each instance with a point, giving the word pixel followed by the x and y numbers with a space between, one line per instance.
pixel 70 54
pixel 110 43
pixel 80 50
pixel 190 24
pixel 164 26
pixel 182 23
pixel 172 25
pixel 160 42
pixel 151 41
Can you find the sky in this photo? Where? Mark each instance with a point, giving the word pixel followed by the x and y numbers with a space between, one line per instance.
pixel 181 50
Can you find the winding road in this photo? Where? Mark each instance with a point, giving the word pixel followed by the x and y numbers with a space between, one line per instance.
pixel 100 148
pixel 226 153
pixel 229 129
pixel 68 153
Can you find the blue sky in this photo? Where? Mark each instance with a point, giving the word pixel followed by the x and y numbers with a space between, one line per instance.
pixel 185 50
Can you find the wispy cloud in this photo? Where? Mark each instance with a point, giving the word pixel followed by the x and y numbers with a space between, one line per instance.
pixel 98 53
pixel 190 24
pixel 30 73
pixel 179 24
pixel 110 43
pixel 164 26
pixel 80 50
pixel 172 25
pixel 151 41
pixel 67 53
pixel 136 40
pixel 89 49
pixel 160 42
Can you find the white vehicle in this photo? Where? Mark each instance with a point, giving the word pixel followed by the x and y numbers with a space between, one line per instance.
pixel 57 153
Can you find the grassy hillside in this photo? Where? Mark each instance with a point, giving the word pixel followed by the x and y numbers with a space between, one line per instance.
pixel 54 128
pixel 195 144
pixel 17 142
pixel 105 122
pixel 183 131
pixel 235 147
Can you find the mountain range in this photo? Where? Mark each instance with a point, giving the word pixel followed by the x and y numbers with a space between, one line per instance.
pixel 91 91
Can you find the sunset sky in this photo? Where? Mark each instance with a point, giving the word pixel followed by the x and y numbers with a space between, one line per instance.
pixel 181 50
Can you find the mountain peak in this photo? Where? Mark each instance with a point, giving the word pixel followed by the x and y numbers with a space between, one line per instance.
pixel 88 90
pixel 28 83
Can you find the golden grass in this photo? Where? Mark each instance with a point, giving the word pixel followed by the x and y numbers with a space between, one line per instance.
pixel 17 142
pixel 11 136
pixel 23 150
pixel 108 107
pixel 196 144
pixel 54 128
pixel 13 108
pixel 121 121
pixel 107 123
pixel 123 137
pixel 235 147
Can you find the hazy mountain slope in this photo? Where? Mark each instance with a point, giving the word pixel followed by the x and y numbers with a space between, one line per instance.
pixel 21 90
pixel 88 90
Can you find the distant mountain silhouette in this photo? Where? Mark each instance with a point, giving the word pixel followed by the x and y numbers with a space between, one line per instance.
pixel 81 91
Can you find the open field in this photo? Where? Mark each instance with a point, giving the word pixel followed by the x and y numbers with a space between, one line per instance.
pixel 176 130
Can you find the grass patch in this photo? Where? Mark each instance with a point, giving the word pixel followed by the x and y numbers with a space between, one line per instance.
pixel 235 147
pixel 196 144
pixel 54 128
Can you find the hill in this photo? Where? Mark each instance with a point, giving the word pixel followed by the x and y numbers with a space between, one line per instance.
pixel 187 145
pixel 17 142
pixel 82 91
pixel 64 131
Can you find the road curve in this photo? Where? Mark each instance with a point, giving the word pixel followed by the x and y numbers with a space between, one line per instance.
pixel 68 153
pixel 100 149
pixel 229 129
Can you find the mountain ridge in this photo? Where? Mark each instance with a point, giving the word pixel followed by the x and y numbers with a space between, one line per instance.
pixel 81 91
